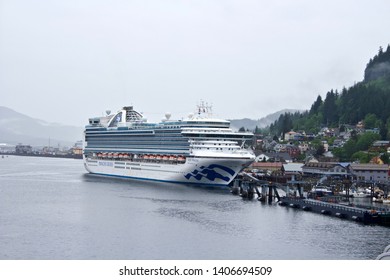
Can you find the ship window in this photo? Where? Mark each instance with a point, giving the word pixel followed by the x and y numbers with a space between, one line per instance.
pixel 116 120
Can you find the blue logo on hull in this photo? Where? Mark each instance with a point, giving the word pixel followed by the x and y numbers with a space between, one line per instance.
pixel 210 173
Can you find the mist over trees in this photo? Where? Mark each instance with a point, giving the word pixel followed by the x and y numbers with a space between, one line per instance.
pixel 367 101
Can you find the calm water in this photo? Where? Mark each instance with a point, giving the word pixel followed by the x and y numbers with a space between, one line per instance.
pixel 51 209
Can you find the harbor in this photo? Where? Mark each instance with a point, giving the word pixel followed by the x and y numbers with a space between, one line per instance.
pixel 318 200
pixel 51 209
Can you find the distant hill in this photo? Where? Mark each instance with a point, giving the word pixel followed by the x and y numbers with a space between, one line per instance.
pixel 18 128
pixel 260 123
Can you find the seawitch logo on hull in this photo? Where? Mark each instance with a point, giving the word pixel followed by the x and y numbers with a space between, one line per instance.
pixel 211 172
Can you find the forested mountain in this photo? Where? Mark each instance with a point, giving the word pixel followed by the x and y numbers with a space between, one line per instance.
pixel 378 66
pixel 367 101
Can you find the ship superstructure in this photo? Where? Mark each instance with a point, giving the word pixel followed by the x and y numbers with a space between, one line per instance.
pixel 199 149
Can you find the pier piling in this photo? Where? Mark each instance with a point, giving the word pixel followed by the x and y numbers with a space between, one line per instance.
pixel 248 186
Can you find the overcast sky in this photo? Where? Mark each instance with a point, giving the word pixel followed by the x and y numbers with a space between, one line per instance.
pixel 66 61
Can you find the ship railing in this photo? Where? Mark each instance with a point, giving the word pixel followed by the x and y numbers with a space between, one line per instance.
pixel 167 159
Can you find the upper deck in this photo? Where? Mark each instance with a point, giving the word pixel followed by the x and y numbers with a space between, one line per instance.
pixel 198 134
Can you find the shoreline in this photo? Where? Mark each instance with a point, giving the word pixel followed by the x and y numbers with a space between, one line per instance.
pixel 2 154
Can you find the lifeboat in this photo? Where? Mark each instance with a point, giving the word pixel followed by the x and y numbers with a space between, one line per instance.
pixel 120 156
pixel 158 157
pixel 172 158
pixel 109 155
pixel 115 155
pixel 181 159
pixel 165 157
pixel 104 155
pixel 146 157
pixel 125 156
pixel 99 154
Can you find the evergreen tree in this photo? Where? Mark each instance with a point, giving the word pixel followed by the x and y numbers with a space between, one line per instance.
pixel 330 114
pixel 316 105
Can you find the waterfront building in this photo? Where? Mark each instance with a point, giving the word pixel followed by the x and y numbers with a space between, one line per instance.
pixel 269 166
pixel 370 172
pixel 23 149
pixel 292 170
pixel 77 149
pixel 7 148
pixel 325 169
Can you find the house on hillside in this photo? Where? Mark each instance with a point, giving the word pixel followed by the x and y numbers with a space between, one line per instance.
pixel 262 157
pixel 288 136
pixel 273 157
pixel 303 147
pixel 337 143
pixel 380 144
pixel 280 148
pixel 293 151
pixel 329 132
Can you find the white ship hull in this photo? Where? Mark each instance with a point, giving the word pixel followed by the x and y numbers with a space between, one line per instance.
pixel 196 170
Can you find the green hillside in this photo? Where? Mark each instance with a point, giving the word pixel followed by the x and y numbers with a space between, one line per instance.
pixel 367 101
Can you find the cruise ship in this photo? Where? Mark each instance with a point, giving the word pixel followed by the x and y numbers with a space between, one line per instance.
pixel 199 149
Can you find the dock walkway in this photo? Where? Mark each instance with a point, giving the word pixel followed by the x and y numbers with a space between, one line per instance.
pixel 371 215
